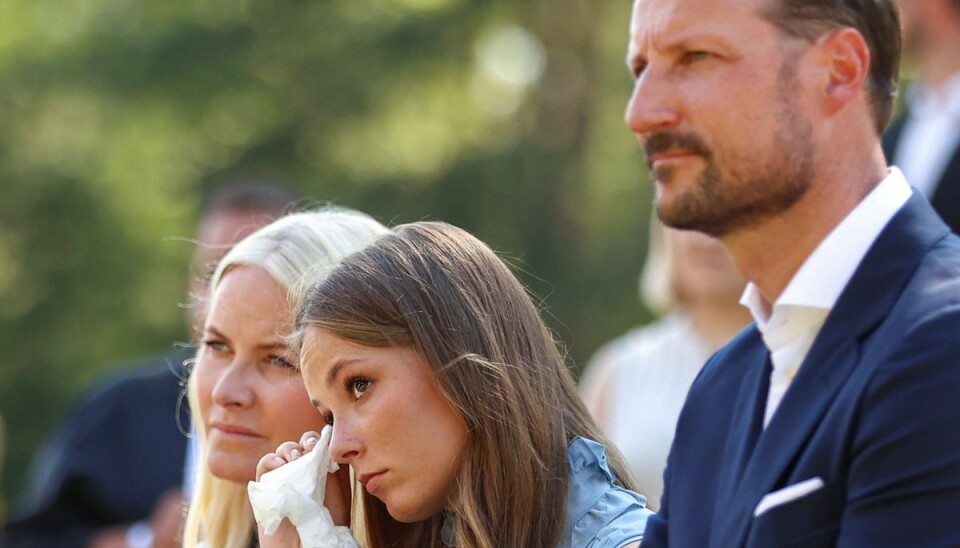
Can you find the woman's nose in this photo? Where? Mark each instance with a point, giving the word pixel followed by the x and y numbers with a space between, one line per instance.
pixel 233 388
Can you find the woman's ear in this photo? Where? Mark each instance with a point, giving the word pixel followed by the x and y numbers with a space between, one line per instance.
pixel 845 59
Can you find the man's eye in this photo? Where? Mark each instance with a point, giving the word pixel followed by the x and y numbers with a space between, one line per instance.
pixel 694 56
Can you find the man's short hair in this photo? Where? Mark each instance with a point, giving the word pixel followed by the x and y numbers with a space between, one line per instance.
pixel 877 20
pixel 248 194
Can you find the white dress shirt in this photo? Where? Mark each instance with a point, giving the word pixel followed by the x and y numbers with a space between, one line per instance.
pixel 790 326
pixel 930 135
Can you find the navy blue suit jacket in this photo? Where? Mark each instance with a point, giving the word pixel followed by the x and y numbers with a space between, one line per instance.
pixel 874 412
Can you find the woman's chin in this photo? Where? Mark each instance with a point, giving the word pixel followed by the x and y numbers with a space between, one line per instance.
pixel 231 468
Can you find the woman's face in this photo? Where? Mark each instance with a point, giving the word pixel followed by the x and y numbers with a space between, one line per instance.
pixel 391 422
pixel 251 396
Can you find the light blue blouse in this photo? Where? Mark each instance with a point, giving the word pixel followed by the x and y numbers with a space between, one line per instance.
pixel 600 514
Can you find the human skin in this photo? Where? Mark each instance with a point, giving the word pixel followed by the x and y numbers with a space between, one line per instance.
pixel 760 138
pixel 391 423
pixel 251 394
pixel 710 175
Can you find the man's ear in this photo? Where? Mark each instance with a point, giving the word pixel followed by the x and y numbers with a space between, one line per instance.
pixel 845 59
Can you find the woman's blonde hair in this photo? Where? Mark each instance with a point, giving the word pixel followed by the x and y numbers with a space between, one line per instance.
pixel 658 280
pixel 437 289
pixel 297 250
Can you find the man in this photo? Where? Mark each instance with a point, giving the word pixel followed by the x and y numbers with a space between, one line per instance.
pixel 925 142
pixel 833 419
pixel 111 474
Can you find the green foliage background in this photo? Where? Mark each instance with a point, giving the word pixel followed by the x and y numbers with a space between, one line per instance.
pixel 503 117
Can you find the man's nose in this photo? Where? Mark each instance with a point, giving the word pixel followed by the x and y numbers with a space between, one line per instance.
pixel 653 105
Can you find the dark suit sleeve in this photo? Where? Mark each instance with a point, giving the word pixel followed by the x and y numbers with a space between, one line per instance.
pixel 115 453
pixel 656 532
pixel 904 483
pixel 56 509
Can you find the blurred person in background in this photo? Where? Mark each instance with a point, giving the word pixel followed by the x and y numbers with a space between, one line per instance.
pixel 110 476
pixel 690 280
pixel 925 141
pixel 245 389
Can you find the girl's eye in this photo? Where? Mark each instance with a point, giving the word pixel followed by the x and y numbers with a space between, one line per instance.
pixel 358 387
pixel 327 417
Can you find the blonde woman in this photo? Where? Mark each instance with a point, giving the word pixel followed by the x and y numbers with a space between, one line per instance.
pixel 245 390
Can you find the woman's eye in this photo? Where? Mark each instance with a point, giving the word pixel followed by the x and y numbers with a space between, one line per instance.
pixel 216 345
pixel 281 362
pixel 327 417
pixel 358 387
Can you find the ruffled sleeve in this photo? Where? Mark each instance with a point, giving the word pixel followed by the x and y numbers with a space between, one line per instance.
pixel 600 514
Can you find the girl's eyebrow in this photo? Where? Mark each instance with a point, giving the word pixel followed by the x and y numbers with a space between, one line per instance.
pixel 337 367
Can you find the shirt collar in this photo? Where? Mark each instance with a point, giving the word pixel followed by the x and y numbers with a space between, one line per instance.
pixel 826 272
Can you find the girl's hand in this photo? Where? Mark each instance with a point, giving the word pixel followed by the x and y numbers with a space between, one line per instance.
pixel 337 495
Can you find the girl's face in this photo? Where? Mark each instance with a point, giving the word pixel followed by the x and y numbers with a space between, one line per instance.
pixel 391 421
pixel 251 395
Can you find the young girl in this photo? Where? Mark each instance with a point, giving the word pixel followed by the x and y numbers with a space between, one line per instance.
pixel 450 400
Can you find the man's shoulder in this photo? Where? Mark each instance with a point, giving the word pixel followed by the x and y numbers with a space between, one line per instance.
pixel 157 369
pixel 130 387
pixel 932 292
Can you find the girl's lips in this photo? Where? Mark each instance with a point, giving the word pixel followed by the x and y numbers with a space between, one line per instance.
pixel 371 481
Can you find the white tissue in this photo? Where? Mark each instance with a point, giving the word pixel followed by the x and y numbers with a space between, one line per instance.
pixel 295 491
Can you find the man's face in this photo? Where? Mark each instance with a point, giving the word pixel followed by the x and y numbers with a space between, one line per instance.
pixel 718 107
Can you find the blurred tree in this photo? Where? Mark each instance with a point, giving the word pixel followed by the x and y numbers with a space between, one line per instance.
pixel 503 117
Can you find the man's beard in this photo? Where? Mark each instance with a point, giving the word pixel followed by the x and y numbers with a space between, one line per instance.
pixel 748 190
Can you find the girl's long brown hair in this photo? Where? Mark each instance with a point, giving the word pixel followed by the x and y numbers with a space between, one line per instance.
pixel 439 290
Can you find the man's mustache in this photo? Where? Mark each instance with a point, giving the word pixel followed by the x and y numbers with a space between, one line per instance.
pixel 663 142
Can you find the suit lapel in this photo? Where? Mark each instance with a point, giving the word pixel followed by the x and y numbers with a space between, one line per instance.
pixel 832 358
pixel 747 417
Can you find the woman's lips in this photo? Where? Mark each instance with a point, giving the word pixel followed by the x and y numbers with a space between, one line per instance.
pixel 234 430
